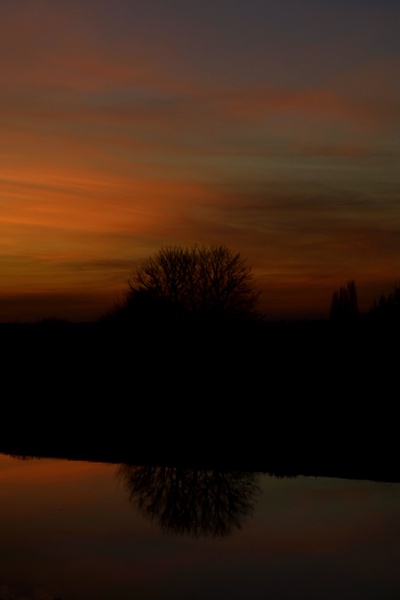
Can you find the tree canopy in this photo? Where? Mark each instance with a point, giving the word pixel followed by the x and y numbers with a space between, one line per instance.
pixel 198 283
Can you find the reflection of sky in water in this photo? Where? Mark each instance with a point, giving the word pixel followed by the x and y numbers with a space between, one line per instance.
pixel 68 530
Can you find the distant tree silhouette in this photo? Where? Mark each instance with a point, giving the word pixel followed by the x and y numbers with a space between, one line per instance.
pixel 199 284
pixel 387 308
pixel 344 305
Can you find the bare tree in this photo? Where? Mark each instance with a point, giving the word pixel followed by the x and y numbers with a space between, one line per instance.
pixel 190 501
pixel 198 283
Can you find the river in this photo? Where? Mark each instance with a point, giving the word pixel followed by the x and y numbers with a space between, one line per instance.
pixel 76 530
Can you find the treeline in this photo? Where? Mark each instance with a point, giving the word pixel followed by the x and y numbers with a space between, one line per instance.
pixel 183 369
pixel 205 289
pixel 344 306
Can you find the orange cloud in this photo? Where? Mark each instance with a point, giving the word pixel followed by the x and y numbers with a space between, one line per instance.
pixel 113 145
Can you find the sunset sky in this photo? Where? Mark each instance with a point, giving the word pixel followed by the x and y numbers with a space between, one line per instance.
pixel 269 126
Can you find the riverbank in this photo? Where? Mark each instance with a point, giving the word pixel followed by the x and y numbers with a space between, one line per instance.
pixel 287 398
pixel 346 467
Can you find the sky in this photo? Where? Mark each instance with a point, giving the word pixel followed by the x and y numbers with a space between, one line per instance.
pixel 271 127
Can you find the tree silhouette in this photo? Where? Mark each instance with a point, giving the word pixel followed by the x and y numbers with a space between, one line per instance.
pixel 198 284
pixel 387 308
pixel 344 305
pixel 192 502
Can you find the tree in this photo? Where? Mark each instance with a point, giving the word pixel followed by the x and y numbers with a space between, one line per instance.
pixel 388 307
pixel 198 284
pixel 344 306
pixel 191 501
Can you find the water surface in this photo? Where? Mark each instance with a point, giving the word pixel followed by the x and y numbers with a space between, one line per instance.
pixel 75 530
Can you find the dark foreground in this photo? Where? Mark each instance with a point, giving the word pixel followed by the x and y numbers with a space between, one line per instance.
pixel 288 399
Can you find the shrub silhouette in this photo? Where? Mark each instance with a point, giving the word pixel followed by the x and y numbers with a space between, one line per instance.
pixel 201 284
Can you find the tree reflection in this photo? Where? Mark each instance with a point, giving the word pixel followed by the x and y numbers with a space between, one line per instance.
pixel 191 501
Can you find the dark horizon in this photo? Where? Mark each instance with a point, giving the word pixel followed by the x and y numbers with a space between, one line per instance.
pixel 90 308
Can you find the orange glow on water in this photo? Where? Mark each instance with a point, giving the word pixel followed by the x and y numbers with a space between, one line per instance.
pixel 68 529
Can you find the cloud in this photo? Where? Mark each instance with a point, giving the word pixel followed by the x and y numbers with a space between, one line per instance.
pixel 126 127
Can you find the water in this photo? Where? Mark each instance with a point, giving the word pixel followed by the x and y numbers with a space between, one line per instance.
pixel 73 530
